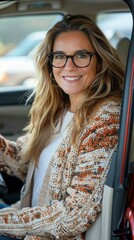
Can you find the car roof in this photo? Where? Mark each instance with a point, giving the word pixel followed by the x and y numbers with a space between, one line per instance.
pixel 71 6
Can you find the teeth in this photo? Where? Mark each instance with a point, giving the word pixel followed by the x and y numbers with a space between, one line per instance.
pixel 71 78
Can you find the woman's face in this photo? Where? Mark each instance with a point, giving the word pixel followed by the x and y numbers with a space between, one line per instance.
pixel 74 80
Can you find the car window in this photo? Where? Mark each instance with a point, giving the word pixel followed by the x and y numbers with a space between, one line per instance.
pixel 27 44
pixel 115 25
pixel 16 66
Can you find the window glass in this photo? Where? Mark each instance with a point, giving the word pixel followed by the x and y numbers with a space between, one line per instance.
pixel 18 37
pixel 115 26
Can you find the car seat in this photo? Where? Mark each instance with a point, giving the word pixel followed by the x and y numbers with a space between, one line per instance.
pixel 123 47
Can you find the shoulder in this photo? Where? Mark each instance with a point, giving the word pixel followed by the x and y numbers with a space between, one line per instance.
pixel 106 115
pixel 109 105
pixel 106 109
pixel 101 128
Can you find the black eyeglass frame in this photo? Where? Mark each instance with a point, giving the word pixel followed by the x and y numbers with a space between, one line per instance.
pixel 91 54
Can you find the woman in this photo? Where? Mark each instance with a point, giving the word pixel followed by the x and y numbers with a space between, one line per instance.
pixel 66 152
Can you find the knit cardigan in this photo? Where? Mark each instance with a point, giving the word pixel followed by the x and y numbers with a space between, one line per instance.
pixel 72 191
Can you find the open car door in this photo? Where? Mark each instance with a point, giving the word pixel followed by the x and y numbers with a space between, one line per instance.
pixel 123 197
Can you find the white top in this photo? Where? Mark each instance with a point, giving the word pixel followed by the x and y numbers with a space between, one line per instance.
pixel 47 154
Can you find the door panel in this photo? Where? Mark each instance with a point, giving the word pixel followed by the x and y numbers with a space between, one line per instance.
pixel 13 112
pixel 13 118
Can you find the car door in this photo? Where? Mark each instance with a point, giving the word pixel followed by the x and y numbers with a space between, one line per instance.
pixel 13 118
pixel 123 200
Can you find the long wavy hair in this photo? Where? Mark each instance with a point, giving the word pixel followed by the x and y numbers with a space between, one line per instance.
pixel 50 102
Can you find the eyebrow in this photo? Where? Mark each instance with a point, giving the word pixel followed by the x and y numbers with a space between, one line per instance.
pixel 78 51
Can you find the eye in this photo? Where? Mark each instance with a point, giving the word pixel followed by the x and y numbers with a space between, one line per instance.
pixel 81 55
pixel 59 56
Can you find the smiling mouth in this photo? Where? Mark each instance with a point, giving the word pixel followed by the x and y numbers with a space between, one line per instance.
pixel 71 79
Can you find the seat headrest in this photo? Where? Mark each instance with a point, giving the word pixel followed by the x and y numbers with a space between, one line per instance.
pixel 123 47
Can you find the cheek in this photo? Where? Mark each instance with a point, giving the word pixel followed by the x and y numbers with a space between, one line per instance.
pixel 90 72
pixel 55 71
pixel 56 74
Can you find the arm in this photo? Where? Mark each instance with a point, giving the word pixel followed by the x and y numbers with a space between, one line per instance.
pixel 79 209
pixel 10 157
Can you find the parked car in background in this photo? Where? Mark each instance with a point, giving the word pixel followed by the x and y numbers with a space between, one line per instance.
pixel 16 66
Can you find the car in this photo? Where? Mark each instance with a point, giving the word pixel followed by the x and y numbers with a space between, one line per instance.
pixel 16 67
pixel 117 219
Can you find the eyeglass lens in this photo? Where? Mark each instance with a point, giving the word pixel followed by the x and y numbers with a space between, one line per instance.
pixel 81 59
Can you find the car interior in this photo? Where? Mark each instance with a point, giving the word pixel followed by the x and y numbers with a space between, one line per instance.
pixel 23 25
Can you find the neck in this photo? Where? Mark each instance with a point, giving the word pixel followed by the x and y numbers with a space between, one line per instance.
pixel 75 103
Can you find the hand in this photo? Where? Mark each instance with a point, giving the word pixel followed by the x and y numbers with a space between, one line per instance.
pixel 2 143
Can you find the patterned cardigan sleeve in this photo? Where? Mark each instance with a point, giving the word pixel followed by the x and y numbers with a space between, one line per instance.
pixel 75 213
pixel 10 160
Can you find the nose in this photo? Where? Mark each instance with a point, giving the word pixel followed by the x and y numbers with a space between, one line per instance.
pixel 70 63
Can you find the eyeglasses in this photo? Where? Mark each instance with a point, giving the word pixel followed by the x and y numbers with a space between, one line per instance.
pixel 81 59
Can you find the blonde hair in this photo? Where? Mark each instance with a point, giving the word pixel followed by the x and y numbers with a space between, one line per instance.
pixel 49 99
